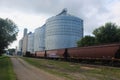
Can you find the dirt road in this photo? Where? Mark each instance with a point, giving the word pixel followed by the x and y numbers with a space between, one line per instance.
pixel 25 71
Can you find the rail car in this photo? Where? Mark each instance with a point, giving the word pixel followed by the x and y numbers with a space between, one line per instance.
pixel 94 52
pixel 40 54
pixel 105 53
pixel 55 53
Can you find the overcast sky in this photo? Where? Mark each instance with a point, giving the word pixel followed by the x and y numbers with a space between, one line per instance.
pixel 33 13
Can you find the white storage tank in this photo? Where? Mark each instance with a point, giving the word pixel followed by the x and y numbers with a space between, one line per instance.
pixel 20 45
pixel 39 39
pixel 63 31
pixel 30 47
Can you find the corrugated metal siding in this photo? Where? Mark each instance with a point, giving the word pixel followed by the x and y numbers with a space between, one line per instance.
pixel 31 43
pixel 39 39
pixel 63 32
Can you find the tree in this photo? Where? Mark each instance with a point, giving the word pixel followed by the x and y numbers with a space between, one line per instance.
pixel 118 34
pixel 8 33
pixel 86 41
pixel 109 33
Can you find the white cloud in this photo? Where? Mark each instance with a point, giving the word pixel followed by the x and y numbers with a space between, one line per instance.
pixel 114 12
pixel 23 20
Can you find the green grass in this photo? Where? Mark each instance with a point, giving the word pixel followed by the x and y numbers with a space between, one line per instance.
pixel 75 71
pixel 6 69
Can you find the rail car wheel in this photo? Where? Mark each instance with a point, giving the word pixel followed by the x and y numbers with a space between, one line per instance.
pixel 66 55
pixel 117 54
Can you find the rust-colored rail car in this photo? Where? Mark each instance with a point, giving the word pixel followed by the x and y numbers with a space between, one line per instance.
pixel 95 52
pixel 58 53
pixel 40 54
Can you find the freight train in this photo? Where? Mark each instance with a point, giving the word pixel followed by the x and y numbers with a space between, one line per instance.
pixel 105 53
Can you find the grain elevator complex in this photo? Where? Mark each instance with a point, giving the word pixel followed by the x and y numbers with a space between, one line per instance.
pixel 60 31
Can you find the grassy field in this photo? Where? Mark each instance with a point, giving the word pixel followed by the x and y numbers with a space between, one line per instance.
pixel 6 70
pixel 75 71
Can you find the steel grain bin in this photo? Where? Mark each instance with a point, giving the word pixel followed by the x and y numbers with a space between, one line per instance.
pixel 63 31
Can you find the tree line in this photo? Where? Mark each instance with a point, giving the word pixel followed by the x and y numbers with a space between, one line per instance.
pixel 8 33
pixel 106 34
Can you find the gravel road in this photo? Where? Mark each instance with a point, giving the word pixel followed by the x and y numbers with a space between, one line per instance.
pixel 25 71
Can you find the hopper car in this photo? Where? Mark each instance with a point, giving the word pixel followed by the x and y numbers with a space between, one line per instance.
pixel 105 53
